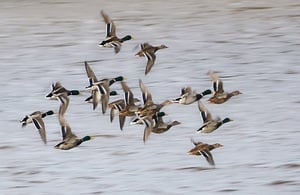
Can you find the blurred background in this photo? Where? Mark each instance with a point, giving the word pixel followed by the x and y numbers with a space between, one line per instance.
pixel 254 47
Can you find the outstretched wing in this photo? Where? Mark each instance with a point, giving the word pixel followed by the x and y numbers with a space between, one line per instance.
pixel 128 96
pixel 150 61
pixel 216 81
pixel 90 74
pixel 205 114
pixel 39 124
pixel 208 156
pixel 110 26
pixel 147 97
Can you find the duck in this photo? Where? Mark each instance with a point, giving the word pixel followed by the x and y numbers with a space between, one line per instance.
pixel 111 40
pixel 188 96
pixel 138 120
pixel 218 95
pixel 118 106
pixel 209 124
pixel 204 149
pixel 149 106
pixel 36 118
pixel 130 108
pixel 70 140
pixel 161 126
pixel 100 90
pixel 148 51
pixel 57 89
pixel 154 124
pixel 90 98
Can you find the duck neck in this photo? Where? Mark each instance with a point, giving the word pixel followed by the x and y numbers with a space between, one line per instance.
pixel 74 92
pixel 126 38
pixel 50 112
pixel 206 92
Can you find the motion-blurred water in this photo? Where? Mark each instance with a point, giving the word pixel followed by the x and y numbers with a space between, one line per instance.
pixel 253 45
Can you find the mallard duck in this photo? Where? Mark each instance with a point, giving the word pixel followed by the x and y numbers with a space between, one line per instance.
pixel 154 124
pixel 204 149
pixel 36 118
pixel 148 121
pixel 70 140
pixel 149 106
pixel 118 106
pixel 161 126
pixel 90 98
pixel 99 89
pixel 148 51
pixel 111 40
pixel 138 119
pixel 188 96
pixel 94 81
pixel 209 124
pixel 57 89
pixel 130 108
pixel 219 96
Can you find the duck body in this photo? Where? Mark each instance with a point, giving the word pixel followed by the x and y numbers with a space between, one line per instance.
pixel 36 118
pixel 57 89
pixel 188 96
pixel 162 127
pixel 204 149
pixel 149 106
pixel 220 98
pixel 149 51
pixel 100 91
pixel 212 125
pixel 127 107
pixel 111 40
pixel 218 95
pixel 209 124
pixel 70 140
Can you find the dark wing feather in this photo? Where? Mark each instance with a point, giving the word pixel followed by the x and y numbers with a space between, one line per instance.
pixel 208 156
pixel 150 61
pixel 39 124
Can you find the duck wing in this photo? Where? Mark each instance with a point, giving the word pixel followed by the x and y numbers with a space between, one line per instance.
pixel 205 114
pixel 39 124
pixel 64 104
pixel 96 98
pixel 195 143
pixel 208 156
pixel 150 61
pixel 148 128
pixel 65 128
pixel 90 74
pixel 217 83
pixel 147 97
pixel 128 95
pixel 110 26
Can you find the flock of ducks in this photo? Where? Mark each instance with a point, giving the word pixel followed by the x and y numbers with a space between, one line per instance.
pixel 148 114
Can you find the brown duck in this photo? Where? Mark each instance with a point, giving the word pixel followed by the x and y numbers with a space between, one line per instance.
pixel 148 51
pixel 204 150
pixel 219 96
